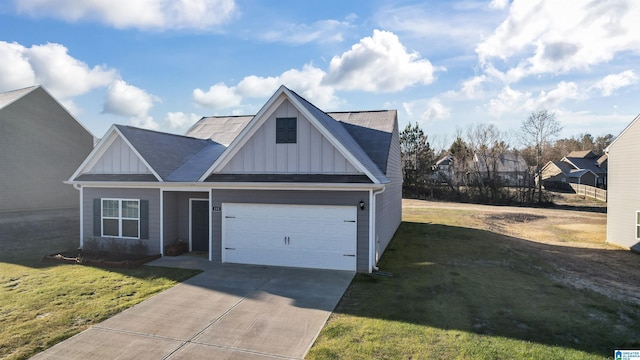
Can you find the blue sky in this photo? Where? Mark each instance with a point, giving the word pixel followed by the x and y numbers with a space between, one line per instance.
pixel 447 65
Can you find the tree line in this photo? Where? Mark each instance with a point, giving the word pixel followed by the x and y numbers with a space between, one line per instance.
pixel 482 166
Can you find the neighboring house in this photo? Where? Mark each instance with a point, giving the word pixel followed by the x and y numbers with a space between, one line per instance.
pixel 443 169
pixel 510 169
pixel 579 167
pixel 623 192
pixel 290 186
pixel 41 145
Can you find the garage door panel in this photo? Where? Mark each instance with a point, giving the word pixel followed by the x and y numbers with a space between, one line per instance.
pixel 290 235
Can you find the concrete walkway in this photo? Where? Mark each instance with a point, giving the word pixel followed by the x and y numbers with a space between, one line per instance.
pixel 227 312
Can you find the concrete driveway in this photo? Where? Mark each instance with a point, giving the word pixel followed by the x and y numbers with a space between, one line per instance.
pixel 227 312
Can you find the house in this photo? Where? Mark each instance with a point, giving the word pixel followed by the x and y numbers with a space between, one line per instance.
pixel 41 145
pixel 510 168
pixel 623 194
pixel 578 167
pixel 442 170
pixel 291 186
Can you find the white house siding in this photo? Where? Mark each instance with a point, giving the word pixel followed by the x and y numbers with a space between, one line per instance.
pixel 119 159
pixel 151 195
pixel 348 198
pixel 389 203
pixel 312 154
pixel 623 190
pixel 41 145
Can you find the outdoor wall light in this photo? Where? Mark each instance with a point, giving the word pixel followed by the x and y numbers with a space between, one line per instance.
pixel 361 205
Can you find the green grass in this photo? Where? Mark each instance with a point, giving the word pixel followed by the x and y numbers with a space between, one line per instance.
pixel 42 304
pixel 458 292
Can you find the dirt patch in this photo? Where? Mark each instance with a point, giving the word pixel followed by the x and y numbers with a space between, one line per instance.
pixel 573 242
pixel 514 217
pixel 101 259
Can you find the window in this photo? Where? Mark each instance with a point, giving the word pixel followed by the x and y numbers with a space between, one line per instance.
pixel 637 224
pixel 121 218
pixel 286 130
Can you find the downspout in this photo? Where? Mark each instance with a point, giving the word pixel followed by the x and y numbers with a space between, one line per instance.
pixel 161 222
pixel 372 227
pixel 210 226
pixel 79 188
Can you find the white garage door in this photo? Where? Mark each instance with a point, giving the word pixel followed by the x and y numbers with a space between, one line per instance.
pixel 322 237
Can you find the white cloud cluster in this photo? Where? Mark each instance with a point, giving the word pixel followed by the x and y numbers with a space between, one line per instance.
pixel 610 83
pixel 50 65
pixel 379 63
pixel 510 100
pixel 67 77
pixel 141 14
pixel 548 36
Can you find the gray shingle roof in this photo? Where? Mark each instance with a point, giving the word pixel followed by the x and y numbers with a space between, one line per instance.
pixel 221 129
pixel 167 153
pixel 344 137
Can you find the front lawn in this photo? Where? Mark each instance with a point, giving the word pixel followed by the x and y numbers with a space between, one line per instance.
pixel 459 291
pixel 42 304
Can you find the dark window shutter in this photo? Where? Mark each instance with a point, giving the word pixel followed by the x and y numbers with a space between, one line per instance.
pixel 144 219
pixel 97 217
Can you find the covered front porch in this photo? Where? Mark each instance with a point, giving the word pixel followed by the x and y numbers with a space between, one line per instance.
pixel 185 218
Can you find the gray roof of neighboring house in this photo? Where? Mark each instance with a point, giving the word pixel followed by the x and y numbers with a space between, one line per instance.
pixel 587 163
pixel 507 163
pixel 6 98
pixel 582 154
pixel 173 157
pixel 221 129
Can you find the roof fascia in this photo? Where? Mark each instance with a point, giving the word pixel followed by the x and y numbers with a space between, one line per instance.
pixel 21 96
pixel 246 133
pixel 144 161
pixel 341 148
pixel 102 146
pixel 635 120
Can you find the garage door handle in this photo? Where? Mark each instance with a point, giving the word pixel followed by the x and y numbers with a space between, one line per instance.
pixel 349 221
pixel 352 255
pixel 229 217
pixel 229 248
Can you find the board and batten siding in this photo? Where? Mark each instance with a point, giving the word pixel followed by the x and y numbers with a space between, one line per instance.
pixel 151 195
pixel 119 159
pixel 293 197
pixel 389 203
pixel 623 188
pixel 41 145
pixel 311 154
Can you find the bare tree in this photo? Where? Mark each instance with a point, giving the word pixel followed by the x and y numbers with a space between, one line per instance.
pixel 487 144
pixel 537 131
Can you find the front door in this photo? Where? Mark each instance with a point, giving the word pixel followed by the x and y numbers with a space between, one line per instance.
pixel 199 225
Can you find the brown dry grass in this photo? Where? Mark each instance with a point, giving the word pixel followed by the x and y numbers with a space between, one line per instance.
pixel 573 241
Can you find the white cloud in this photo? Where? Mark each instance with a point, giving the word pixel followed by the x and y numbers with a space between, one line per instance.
pixel 549 36
pixel 435 111
pixel 15 72
pixel 610 83
pixel 498 4
pixel 177 120
pixel 322 31
pixel 307 82
pixel 50 65
pixel 513 101
pixel 128 100
pixel 219 96
pixel 379 63
pixel 141 14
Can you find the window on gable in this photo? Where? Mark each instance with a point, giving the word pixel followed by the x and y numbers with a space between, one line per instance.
pixel 286 130
pixel 121 218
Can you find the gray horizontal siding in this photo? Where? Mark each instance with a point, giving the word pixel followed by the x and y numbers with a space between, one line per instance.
pixel 152 195
pixel 345 198
pixel 41 145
